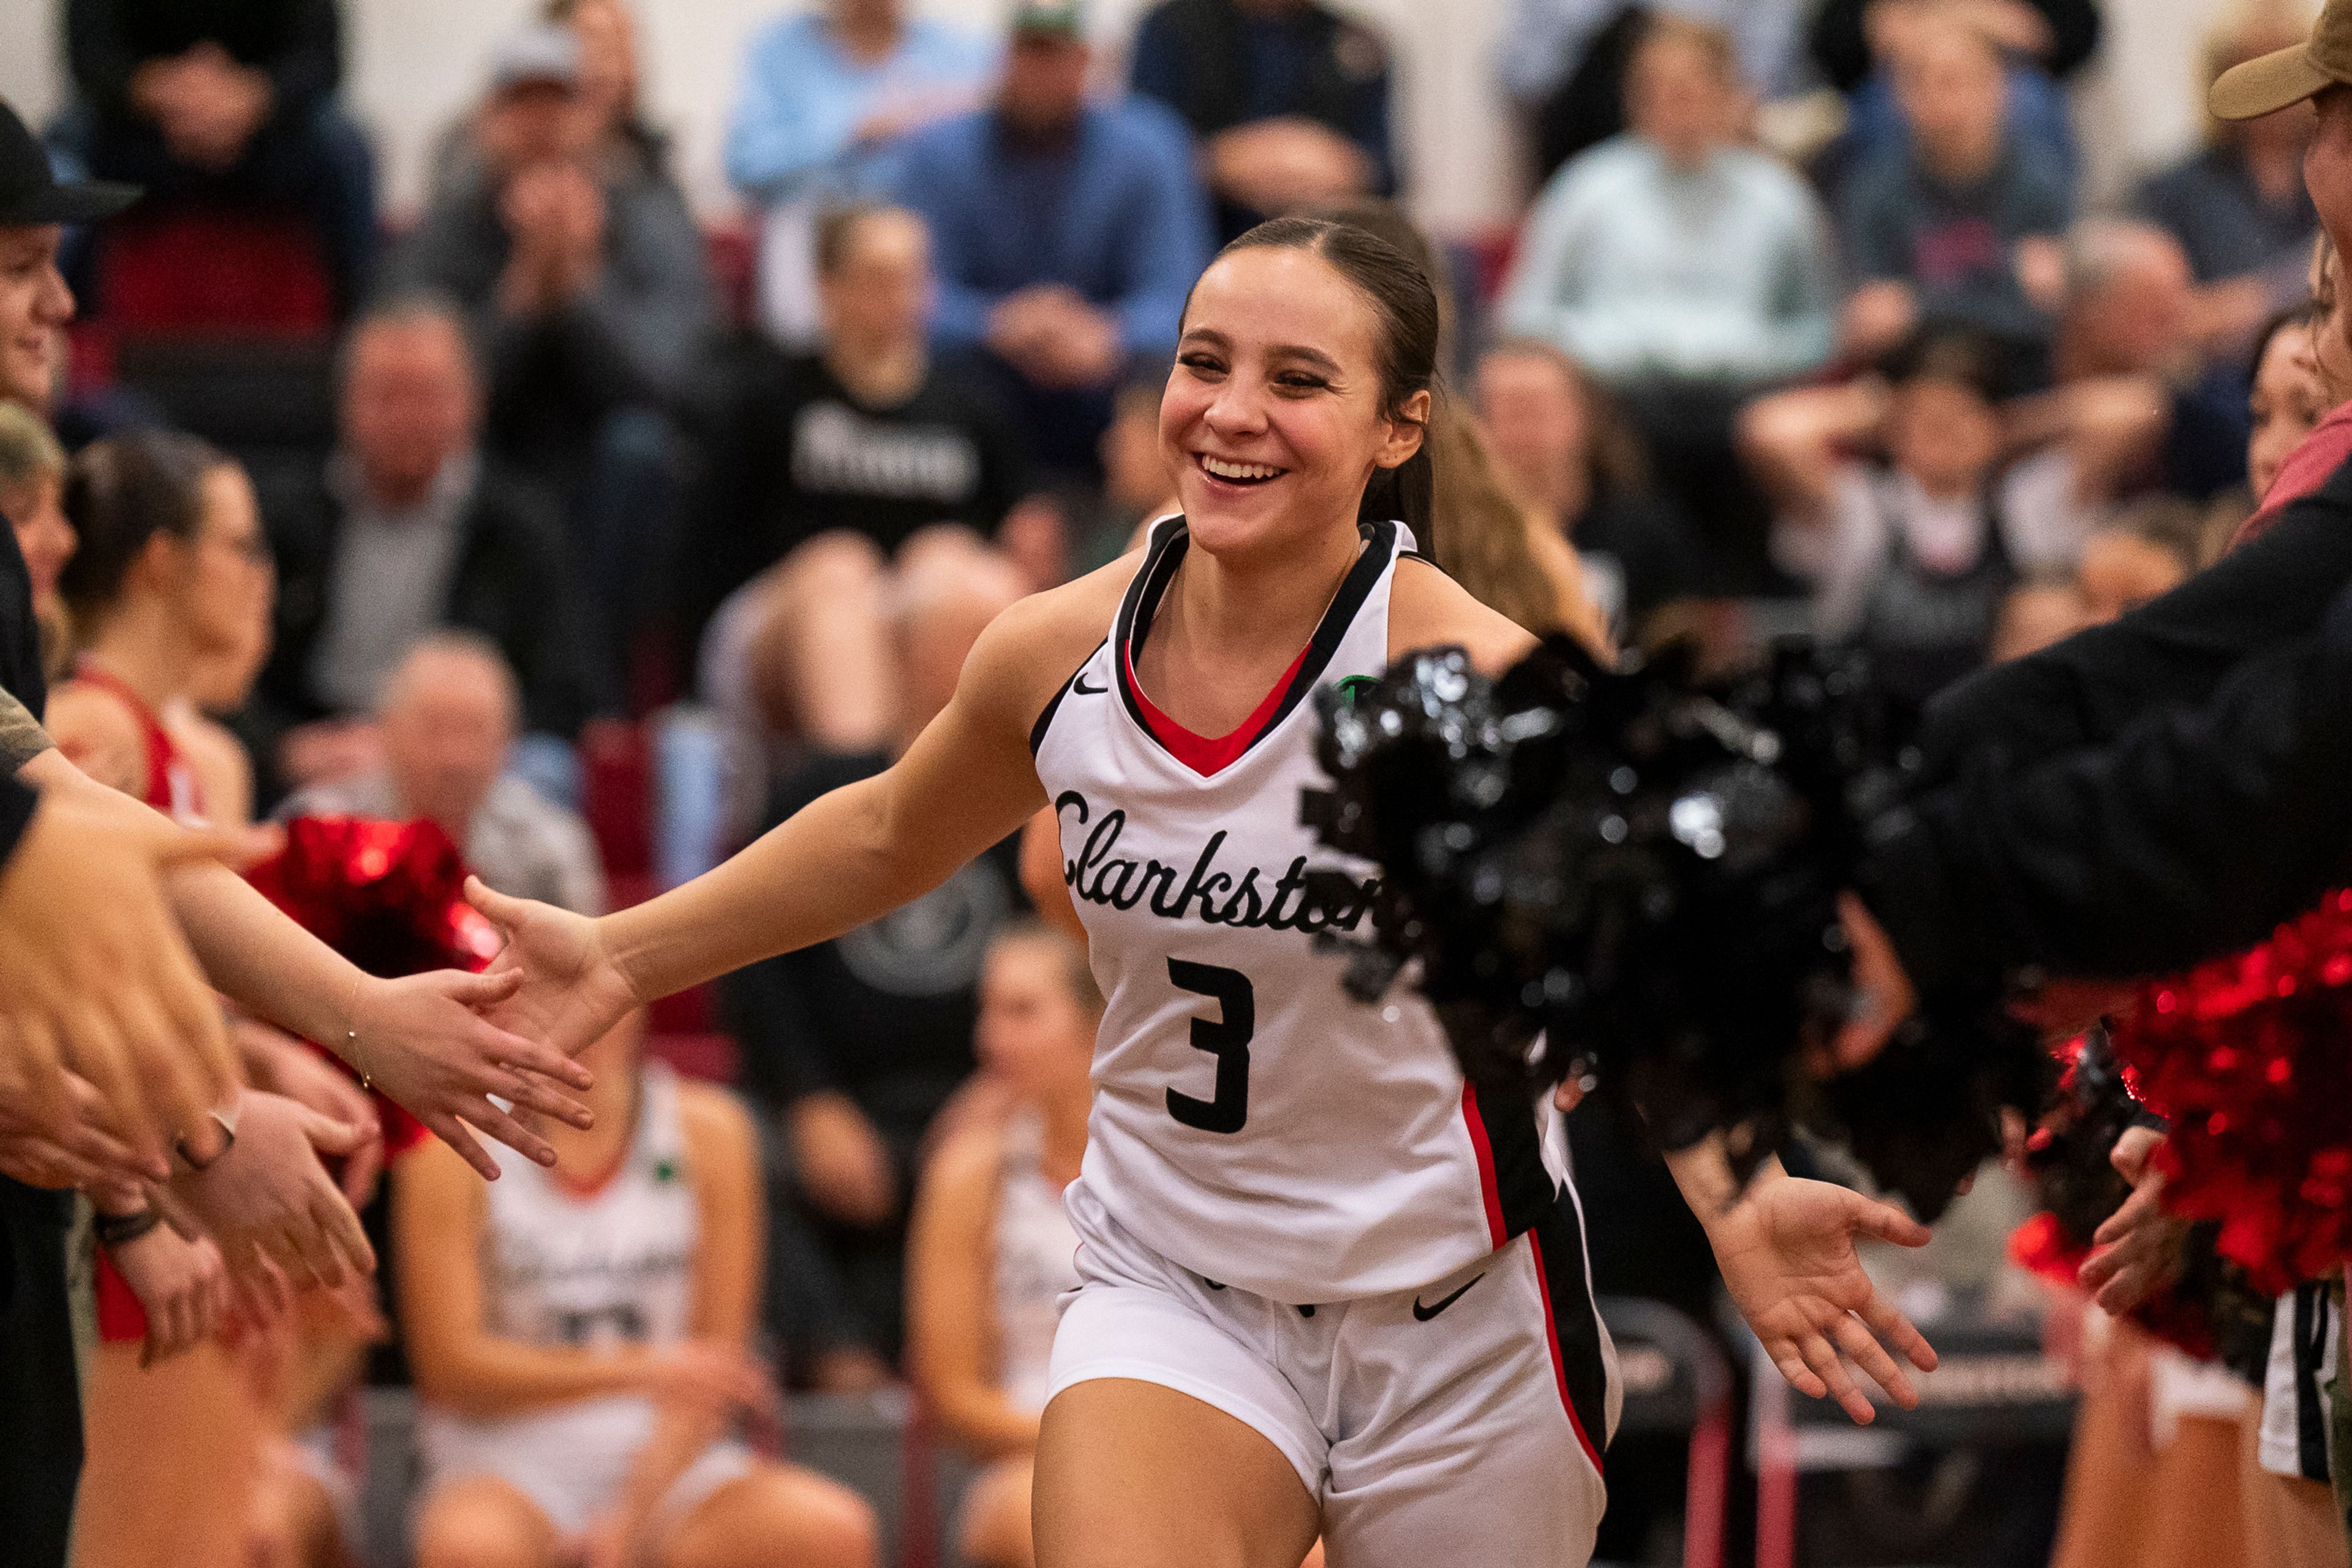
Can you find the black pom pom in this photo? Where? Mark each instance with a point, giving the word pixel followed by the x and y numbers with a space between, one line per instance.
pixel 1645 868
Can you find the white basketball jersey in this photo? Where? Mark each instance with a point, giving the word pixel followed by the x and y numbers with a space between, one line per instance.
pixel 610 1267
pixel 1252 1122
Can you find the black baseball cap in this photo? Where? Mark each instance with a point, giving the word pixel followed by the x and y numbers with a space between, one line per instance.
pixel 29 191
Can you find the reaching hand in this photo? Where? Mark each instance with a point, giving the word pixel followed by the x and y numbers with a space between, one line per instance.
pixel 1884 994
pixel 1786 1249
pixel 183 1284
pixel 284 1065
pixel 2138 1248
pixel 71 1149
pixel 711 1375
pixel 268 1197
pixel 99 981
pixel 435 1043
pixel 571 993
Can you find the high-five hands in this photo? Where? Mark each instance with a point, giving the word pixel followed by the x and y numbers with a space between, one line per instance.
pixel 1787 1251
pixel 564 989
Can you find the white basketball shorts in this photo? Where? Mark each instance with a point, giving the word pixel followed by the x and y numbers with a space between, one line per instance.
pixel 1460 1422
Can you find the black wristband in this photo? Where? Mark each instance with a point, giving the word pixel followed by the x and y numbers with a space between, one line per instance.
pixel 115 1230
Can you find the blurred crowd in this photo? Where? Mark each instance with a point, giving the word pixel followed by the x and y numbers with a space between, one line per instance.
pixel 1806 323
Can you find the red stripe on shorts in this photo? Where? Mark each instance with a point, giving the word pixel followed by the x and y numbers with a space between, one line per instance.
pixel 1489 1188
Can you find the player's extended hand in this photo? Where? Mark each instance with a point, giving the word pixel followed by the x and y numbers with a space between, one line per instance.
pixel 571 993
pixel 1786 1249
pixel 183 1284
pixel 440 1046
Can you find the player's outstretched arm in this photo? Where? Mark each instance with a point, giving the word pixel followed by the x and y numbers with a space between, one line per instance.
pixel 857 853
pixel 417 1038
pixel 1786 1248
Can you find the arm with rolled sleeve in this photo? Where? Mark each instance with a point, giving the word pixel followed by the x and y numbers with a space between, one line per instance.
pixel 2192 834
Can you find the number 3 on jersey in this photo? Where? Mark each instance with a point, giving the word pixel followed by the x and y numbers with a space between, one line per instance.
pixel 1227 1038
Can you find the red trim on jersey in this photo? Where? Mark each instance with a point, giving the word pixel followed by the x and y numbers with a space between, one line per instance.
pixel 1203 754
pixel 1490 1189
pixel 1559 1362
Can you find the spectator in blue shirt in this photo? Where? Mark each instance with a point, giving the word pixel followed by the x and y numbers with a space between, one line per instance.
pixel 1289 100
pixel 827 101
pixel 1065 233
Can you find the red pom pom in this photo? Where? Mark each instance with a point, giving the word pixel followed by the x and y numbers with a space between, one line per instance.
pixel 388 896
pixel 2251 1059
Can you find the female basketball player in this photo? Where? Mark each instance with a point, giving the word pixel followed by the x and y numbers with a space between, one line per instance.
pixel 1325 1283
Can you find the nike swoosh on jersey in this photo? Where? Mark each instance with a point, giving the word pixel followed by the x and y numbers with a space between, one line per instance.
pixel 1079 686
pixel 1422 1314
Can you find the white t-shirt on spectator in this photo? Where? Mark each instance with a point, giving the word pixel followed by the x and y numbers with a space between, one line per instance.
pixel 2042 529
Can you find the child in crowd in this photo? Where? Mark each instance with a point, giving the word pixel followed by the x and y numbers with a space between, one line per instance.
pixel 580 1341
pixel 1896 506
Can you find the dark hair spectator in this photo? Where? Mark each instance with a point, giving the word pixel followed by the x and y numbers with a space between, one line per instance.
pixel 1961 220
pixel 1065 234
pixel 2238 205
pixel 1568 454
pixel 827 98
pixel 1912 550
pixel 446 723
pixel 1673 251
pixel 227 101
pixel 868 432
pixel 1288 99
pixel 408 528
pixel 584 279
pixel 2287 397
pixel 854 1045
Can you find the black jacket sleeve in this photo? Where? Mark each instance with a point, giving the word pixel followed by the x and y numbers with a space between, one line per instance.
pixel 17 803
pixel 2196 830
pixel 2083 691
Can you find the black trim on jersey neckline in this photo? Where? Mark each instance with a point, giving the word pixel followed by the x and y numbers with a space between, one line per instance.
pixel 1045 718
pixel 1141 603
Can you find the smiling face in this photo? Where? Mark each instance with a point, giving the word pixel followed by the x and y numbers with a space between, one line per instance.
pixel 34 306
pixel 1274 418
pixel 2287 403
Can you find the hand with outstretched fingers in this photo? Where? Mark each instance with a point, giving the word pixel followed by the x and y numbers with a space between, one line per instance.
pixel 2137 1250
pixel 434 1044
pixel 266 1195
pixel 100 982
pixel 570 992
pixel 1787 1252
pixel 184 1286
pixel 74 1151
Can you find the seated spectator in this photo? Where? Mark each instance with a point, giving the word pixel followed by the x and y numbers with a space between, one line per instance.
pixel 827 98
pixel 1857 46
pixel 1288 100
pixel 446 728
pixel 870 433
pixel 172 566
pixel 1670 251
pixel 406 529
pixel 32 480
pixel 1563 62
pixel 1961 221
pixel 854 1045
pixel 1065 234
pixel 1570 456
pixel 2238 205
pixel 2135 394
pixel 584 274
pixel 989 1253
pixel 1912 550
pixel 225 100
pixel 580 1338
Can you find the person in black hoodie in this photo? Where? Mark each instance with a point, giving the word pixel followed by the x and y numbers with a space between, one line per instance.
pixel 1289 100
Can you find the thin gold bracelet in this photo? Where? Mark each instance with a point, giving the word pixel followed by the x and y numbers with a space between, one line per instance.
pixel 351 1034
